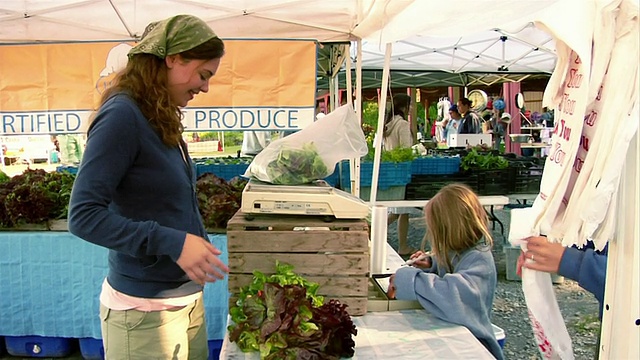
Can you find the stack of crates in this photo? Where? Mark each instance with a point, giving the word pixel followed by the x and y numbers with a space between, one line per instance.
pixel 333 254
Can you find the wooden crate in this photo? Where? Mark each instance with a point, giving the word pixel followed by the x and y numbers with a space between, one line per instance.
pixel 333 254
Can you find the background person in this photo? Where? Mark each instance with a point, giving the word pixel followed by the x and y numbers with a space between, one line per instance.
pixel 135 194
pixel 71 148
pixel 451 126
pixel 470 120
pixel 397 134
pixel 499 127
pixel 253 142
pixel 457 282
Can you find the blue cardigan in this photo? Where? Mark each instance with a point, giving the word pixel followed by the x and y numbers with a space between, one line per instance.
pixel 464 297
pixel 137 197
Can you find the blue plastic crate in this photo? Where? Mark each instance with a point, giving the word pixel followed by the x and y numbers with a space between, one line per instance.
pixel 390 174
pixel 225 171
pixel 444 165
pixel 500 335
pixel 39 346
pixel 70 169
pixel 91 349
pixel 214 349
pixel 334 179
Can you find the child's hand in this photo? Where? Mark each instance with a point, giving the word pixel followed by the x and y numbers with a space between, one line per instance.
pixel 391 292
pixel 426 263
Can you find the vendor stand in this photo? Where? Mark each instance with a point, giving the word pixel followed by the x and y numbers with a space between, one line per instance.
pixel 405 334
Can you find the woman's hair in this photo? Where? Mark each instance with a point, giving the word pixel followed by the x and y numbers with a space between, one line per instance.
pixel 144 79
pixel 465 102
pixel 456 221
pixel 400 105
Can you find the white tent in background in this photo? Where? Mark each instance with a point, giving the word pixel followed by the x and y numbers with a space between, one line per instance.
pixel 529 50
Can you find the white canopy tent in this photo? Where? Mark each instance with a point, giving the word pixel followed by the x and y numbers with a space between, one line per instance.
pixel 98 20
pixel 452 37
pixel 530 50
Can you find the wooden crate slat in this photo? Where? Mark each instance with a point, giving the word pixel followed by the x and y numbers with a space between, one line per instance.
pixel 272 222
pixel 298 241
pixel 329 286
pixel 305 264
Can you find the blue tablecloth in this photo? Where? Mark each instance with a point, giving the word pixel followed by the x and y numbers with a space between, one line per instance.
pixel 50 285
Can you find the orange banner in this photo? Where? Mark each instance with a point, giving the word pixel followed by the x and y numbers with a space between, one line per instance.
pixel 260 85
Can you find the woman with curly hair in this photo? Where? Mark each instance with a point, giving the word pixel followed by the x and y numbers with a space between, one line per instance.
pixel 135 195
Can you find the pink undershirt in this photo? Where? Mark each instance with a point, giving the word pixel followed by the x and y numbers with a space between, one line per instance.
pixel 116 300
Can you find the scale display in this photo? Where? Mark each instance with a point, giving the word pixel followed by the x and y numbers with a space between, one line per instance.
pixel 317 198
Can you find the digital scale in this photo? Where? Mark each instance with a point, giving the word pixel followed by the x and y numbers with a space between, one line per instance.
pixel 317 198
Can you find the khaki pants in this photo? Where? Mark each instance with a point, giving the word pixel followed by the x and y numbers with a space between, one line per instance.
pixel 164 335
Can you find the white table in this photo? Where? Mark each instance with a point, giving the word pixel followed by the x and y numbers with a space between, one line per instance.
pixel 405 334
pixel 494 201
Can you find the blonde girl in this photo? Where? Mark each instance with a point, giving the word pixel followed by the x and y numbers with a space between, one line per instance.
pixel 457 281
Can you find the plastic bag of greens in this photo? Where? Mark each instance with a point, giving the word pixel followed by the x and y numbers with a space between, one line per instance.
pixel 311 153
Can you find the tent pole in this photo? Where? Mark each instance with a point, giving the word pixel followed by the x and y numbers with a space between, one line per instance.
pixel 380 129
pixel 355 162
pixel 348 91
pixel 336 91
pixel 379 213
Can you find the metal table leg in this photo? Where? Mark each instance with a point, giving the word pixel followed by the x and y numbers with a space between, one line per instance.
pixel 494 219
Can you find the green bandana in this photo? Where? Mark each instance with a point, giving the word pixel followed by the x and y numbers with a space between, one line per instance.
pixel 172 36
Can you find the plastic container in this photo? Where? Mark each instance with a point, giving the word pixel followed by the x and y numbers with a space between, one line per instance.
pixel 435 165
pixel 91 349
pixel 390 174
pixel 39 346
pixel 392 193
pixel 214 349
pixel 511 254
pixel 500 335
pixel 67 168
pixel 225 171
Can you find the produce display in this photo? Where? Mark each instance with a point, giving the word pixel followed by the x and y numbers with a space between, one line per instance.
pixel 218 200
pixel 228 160
pixel 34 196
pixel 486 161
pixel 297 166
pixel 281 317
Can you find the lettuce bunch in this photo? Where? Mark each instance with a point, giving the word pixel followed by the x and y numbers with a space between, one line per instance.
pixel 282 317
pixel 297 166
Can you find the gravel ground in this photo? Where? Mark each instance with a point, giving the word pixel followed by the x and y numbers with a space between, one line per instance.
pixel 579 308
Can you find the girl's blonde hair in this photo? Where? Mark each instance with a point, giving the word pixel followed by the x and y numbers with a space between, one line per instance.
pixel 456 221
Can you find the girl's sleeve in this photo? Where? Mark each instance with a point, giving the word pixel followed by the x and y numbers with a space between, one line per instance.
pixel 454 296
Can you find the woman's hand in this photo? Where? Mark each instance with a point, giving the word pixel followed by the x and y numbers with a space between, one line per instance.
pixel 199 260
pixel 546 256
pixel 426 263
